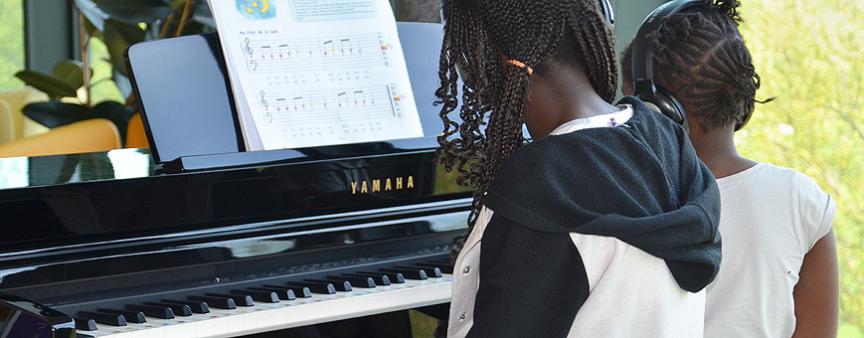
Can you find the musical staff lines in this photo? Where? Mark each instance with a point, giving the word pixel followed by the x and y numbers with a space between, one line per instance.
pixel 328 53
pixel 329 107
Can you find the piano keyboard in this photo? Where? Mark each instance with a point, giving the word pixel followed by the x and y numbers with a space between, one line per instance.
pixel 273 307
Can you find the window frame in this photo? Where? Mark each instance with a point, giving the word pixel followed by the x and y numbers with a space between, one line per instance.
pixel 49 34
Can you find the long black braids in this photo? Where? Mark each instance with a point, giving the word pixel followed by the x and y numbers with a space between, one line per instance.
pixel 701 57
pixel 479 36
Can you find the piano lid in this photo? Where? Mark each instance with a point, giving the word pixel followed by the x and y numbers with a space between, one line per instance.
pixel 80 198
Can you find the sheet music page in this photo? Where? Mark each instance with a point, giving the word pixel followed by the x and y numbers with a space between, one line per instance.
pixel 309 73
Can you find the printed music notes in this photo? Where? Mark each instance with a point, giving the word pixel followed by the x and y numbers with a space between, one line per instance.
pixel 336 106
pixel 327 53
pixel 312 73
pixel 268 116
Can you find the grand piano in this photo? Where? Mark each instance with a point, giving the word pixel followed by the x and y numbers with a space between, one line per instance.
pixel 128 244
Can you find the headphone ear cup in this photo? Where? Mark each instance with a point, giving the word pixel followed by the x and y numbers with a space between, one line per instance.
pixel 671 107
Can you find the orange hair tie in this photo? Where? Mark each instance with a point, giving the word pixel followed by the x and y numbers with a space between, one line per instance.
pixel 521 65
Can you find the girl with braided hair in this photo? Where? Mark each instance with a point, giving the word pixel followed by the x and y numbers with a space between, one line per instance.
pixel 605 224
pixel 779 273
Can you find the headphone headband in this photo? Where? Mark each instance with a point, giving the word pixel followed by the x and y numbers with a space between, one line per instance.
pixel 608 12
pixel 643 54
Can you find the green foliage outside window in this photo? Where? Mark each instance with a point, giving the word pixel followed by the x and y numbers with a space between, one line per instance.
pixel 11 42
pixel 811 57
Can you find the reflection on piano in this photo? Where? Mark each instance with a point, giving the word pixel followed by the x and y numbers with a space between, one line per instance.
pixel 298 239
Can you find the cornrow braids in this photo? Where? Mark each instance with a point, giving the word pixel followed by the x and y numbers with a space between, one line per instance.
pixel 701 57
pixel 478 36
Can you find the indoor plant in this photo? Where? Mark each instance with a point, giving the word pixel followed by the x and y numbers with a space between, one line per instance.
pixel 119 24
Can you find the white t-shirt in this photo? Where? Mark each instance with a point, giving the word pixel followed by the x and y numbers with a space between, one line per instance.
pixel 771 217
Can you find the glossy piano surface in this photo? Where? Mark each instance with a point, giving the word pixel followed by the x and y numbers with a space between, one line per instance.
pixel 70 219
pixel 73 199
pixel 32 172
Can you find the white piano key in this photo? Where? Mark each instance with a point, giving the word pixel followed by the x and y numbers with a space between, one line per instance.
pixel 265 317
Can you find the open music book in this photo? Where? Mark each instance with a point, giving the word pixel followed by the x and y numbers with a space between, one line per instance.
pixel 309 73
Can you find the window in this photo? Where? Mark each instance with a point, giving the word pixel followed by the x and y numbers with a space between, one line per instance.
pixel 11 42
pixel 104 89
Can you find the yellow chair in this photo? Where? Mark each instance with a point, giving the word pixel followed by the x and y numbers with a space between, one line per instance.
pixel 86 136
pixel 21 125
pixel 135 135
pixel 7 128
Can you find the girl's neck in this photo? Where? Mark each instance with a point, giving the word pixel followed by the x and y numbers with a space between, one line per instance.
pixel 561 94
pixel 716 148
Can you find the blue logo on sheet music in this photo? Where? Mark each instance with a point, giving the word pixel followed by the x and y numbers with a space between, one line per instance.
pixel 257 9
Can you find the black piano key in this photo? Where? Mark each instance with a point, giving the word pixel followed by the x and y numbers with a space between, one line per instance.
pixel 380 279
pixel 161 312
pixel 431 271
pixel 299 291
pixel 445 267
pixel 195 306
pixel 217 302
pixel 340 285
pixel 132 316
pixel 182 310
pixel 395 277
pixel 112 319
pixel 262 296
pixel 322 288
pixel 283 293
pixel 85 324
pixel 239 300
pixel 355 281
pixel 410 273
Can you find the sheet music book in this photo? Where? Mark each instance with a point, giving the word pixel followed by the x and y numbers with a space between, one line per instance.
pixel 309 73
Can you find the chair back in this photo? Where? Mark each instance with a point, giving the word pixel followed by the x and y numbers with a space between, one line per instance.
pixel 86 136
pixel 15 100
pixel 7 124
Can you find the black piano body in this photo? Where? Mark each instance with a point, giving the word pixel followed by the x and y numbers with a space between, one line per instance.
pixel 90 231
pixel 116 237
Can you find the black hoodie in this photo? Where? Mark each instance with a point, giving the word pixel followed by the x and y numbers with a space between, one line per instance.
pixel 641 183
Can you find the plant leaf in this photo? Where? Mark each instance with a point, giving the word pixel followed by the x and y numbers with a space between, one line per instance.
pixel 118 37
pixel 93 13
pixel 128 11
pixel 53 114
pixel 115 112
pixel 92 31
pixel 53 87
pixel 135 11
pixel 203 16
pixel 176 4
pixel 69 71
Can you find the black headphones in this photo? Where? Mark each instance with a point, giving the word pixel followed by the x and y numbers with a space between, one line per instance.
pixel 643 62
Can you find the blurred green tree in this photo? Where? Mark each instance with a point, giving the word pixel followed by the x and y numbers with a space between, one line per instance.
pixel 11 42
pixel 810 56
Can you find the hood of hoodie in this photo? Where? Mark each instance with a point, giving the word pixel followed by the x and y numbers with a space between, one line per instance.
pixel 640 182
